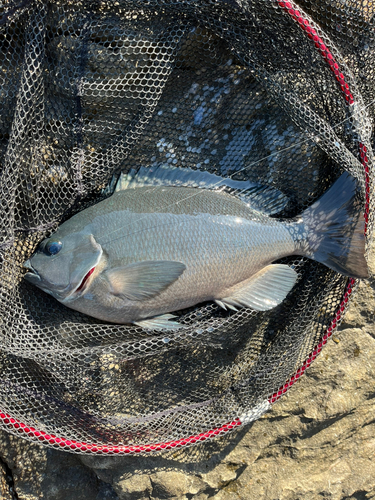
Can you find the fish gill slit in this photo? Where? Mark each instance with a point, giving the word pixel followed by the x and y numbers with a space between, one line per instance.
pixel 84 280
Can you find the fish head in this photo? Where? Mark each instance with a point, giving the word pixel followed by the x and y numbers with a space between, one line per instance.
pixel 62 263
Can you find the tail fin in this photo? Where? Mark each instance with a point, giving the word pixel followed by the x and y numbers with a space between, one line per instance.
pixel 335 229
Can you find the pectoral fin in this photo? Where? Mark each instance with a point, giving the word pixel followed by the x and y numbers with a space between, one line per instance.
pixel 142 280
pixel 265 290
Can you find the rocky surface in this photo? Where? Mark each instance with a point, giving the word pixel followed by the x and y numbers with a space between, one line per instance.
pixel 317 442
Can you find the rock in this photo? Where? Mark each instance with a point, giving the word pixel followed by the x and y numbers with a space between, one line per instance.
pixel 6 482
pixel 38 472
pixel 27 463
pixel 139 487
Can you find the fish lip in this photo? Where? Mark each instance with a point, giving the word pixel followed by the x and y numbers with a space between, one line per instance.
pixel 30 276
pixel 27 265
pixel 31 273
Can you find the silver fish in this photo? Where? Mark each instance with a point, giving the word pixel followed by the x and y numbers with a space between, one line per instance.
pixel 159 244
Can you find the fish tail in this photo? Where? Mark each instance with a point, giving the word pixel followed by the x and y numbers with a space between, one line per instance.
pixel 334 229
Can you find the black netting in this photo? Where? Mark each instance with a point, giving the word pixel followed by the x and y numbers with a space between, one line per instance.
pixel 268 91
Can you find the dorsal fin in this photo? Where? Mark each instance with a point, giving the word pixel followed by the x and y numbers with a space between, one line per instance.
pixel 262 198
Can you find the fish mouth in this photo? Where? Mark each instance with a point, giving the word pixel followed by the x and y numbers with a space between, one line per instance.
pixel 32 274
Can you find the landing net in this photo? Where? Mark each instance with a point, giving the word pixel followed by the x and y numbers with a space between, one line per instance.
pixel 268 91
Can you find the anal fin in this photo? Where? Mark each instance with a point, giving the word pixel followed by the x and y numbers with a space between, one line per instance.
pixel 263 291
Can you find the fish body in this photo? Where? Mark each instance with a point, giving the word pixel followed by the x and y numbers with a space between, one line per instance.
pixel 150 250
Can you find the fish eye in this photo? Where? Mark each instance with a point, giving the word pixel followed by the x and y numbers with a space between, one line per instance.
pixel 53 247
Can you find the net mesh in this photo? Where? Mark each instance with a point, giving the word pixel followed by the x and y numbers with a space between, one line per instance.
pixel 267 91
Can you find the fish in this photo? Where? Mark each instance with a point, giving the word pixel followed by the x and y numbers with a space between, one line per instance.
pixel 169 238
